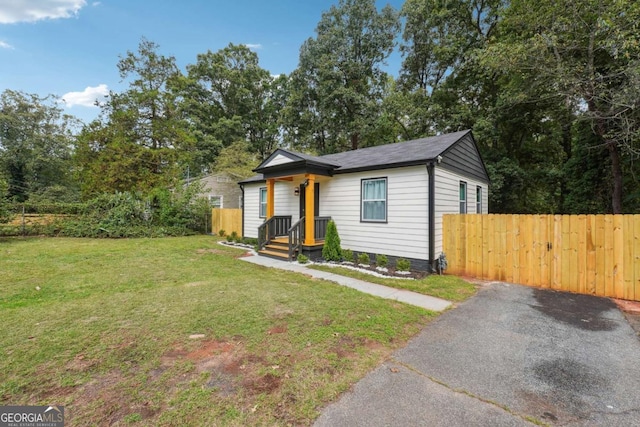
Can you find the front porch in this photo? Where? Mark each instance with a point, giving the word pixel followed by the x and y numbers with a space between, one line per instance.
pixel 281 235
pixel 278 238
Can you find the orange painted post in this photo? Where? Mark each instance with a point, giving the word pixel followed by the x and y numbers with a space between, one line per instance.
pixel 309 209
pixel 271 187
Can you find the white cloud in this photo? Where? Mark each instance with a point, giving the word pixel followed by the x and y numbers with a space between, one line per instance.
pixel 86 98
pixel 5 45
pixel 254 46
pixel 12 11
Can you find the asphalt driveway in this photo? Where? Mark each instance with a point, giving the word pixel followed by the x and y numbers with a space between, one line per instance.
pixel 510 356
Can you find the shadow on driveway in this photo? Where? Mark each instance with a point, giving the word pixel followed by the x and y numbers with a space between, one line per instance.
pixel 510 356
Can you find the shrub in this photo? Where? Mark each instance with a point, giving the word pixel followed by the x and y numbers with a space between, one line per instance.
pixel 229 239
pixel 382 260
pixel 303 259
pixel 221 233
pixel 363 258
pixel 249 241
pixel 347 255
pixel 234 236
pixel 332 250
pixel 403 264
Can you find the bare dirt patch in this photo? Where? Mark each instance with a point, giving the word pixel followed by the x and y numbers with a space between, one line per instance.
pixel 210 251
pixel 278 329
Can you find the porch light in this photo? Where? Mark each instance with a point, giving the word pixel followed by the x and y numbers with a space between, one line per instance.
pixel 296 191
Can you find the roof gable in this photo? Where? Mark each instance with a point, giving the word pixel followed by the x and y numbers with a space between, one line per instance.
pixel 464 158
pixel 282 162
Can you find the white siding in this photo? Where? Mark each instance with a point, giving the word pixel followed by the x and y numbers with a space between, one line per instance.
pixel 405 232
pixel 251 212
pixel 278 160
pixel 448 198
pixel 286 203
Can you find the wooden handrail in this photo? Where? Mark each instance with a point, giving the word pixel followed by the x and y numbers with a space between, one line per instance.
pixel 277 225
pixel 296 236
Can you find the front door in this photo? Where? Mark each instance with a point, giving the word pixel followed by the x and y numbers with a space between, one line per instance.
pixel 316 202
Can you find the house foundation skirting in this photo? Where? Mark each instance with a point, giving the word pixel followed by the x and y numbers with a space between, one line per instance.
pixel 416 264
pixel 314 253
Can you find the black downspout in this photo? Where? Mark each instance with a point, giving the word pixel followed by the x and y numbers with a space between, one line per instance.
pixel 242 207
pixel 432 215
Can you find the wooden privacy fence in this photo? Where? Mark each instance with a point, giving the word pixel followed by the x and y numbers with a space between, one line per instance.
pixel 589 254
pixel 229 220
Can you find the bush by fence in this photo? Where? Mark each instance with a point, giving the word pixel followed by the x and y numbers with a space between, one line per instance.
pixel 160 213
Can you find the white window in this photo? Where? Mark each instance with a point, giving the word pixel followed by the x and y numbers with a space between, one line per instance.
pixel 263 202
pixel 374 200
pixel 463 197
pixel 215 201
pixel 479 199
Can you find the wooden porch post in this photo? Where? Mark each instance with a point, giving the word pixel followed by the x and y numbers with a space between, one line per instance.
pixel 309 210
pixel 270 197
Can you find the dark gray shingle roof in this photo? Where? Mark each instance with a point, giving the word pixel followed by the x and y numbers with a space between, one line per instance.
pixel 418 150
pixel 409 152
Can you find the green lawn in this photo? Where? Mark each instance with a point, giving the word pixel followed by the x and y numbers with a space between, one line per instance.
pixel 103 327
pixel 451 288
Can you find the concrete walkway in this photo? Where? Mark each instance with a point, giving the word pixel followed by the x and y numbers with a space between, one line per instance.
pixel 408 297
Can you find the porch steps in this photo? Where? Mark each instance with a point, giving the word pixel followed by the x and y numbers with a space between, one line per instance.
pixel 275 254
pixel 278 248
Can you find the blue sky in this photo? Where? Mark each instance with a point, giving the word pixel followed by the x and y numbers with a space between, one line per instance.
pixel 70 48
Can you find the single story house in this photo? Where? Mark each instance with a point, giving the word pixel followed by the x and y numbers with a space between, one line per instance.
pixel 221 189
pixel 387 199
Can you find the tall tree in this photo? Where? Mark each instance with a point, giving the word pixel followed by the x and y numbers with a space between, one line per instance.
pixel 339 84
pixel 587 51
pixel 230 98
pixel 139 142
pixel 35 143
pixel 517 128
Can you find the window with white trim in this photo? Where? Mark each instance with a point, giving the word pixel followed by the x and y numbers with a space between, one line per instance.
pixel 374 200
pixel 463 197
pixel 215 201
pixel 263 202
pixel 479 199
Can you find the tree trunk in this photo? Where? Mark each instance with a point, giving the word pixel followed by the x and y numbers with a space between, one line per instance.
pixel 354 141
pixel 616 173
